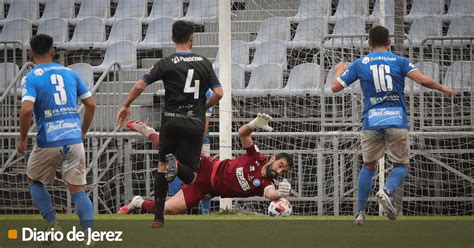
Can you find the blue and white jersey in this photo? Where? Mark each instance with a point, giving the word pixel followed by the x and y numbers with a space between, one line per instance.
pixel 54 89
pixel 382 78
pixel 209 92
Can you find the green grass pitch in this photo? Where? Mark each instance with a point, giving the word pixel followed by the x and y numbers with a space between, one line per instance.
pixel 261 231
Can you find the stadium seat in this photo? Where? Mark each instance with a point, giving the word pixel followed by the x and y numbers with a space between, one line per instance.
pixel 158 34
pixel 461 26
pixel 126 29
pixel 428 68
pixel 309 33
pixel 348 8
pixel 165 8
pixel 273 51
pixel 389 23
pixel 273 28
pixel 85 72
pixel 460 76
pixel 348 26
pixel 123 52
pixel 311 8
pixel 265 79
pixel 92 8
pixel 458 8
pixel 239 53
pixel 7 73
pixel 202 11
pixel 389 10
pixel 303 79
pixel 56 28
pixel 59 8
pixel 2 9
pixel 424 27
pixel 129 8
pixel 22 9
pixel 238 76
pixel 422 8
pixel 87 31
pixel 16 30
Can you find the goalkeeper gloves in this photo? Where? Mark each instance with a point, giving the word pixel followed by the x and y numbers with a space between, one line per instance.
pixel 284 188
pixel 261 121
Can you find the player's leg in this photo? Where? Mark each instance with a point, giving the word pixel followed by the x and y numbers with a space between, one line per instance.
pixel 41 170
pixel 206 201
pixel 372 150
pixel 188 153
pixel 136 203
pixel 74 173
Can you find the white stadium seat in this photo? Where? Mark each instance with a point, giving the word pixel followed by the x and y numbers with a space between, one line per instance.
pixel 264 80
pixel 238 76
pixel 428 68
pixel 92 8
pixel 239 53
pixel 87 32
pixel 311 8
pixel 348 26
pixel 126 29
pixel 16 30
pixel 22 9
pixel 309 33
pixel 158 34
pixel 422 8
pixel 273 28
pixel 458 8
pixel 56 28
pixel 129 8
pixel 165 8
pixel 202 11
pixel 389 10
pixel 424 27
pixel 347 8
pixel 59 8
pixel 7 73
pixel 303 79
pixel 123 52
pixel 273 51
pixel 460 76
pixel 85 72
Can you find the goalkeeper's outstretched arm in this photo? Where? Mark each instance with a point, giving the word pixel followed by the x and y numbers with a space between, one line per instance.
pixel 246 130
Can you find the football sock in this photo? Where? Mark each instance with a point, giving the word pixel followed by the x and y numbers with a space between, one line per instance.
pixel 175 186
pixel 394 179
pixel 161 189
pixel 365 187
pixel 84 209
pixel 148 206
pixel 205 205
pixel 42 201
pixel 185 173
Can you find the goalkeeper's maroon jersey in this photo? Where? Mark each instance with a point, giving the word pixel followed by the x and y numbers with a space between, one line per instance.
pixel 242 176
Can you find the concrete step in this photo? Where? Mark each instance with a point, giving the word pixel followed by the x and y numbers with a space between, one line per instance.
pixel 146 98
pixel 243 15
pixel 134 75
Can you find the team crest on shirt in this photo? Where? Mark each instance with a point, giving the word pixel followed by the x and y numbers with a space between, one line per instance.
pixel 256 182
pixel 39 72
pixel 23 91
pixel 365 60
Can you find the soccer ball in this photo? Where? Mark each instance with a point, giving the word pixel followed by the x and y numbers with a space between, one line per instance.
pixel 280 207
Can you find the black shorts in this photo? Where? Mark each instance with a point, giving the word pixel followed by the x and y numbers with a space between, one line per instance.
pixel 184 142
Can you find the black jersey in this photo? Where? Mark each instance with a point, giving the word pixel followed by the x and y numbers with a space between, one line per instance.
pixel 186 77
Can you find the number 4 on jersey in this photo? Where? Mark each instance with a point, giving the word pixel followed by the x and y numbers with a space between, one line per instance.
pixel 187 86
pixel 382 78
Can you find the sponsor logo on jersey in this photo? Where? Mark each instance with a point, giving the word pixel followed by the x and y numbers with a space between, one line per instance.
pixel 39 72
pixel 178 59
pixel 256 182
pixel 61 125
pixel 48 113
pixel 384 112
pixel 365 60
pixel 241 178
pixel 393 59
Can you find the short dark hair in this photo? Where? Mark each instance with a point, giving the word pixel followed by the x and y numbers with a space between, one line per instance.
pixel 40 44
pixel 182 30
pixel 286 156
pixel 379 36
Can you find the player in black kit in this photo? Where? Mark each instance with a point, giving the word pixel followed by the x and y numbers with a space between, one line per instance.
pixel 186 77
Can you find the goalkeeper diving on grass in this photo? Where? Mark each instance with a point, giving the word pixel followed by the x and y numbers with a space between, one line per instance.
pixel 250 174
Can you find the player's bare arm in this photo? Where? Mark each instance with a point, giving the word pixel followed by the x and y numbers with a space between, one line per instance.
pixel 428 82
pixel 246 130
pixel 217 94
pixel 89 104
pixel 26 113
pixel 340 68
pixel 135 92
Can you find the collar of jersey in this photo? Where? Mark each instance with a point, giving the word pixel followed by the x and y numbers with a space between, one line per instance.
pixel 184 53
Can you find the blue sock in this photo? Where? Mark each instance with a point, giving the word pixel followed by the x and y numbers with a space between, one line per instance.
pixel 175 186
pixel 365 187
pixel 42 201
pixel 84 209
pixel 394 179
pixel 205 205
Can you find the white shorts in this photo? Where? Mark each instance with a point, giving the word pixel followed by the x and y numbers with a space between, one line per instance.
pixel 395 140
pixel 44 162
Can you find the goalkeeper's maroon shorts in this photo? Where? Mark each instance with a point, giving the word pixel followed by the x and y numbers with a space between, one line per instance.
pixel 193 193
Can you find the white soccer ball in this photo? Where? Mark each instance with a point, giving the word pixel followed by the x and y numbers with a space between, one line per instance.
pixel 280 207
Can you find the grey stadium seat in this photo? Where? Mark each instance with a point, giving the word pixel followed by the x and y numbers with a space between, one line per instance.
pixel 59 9
pixel 123 52
pixel 273 28
pixel 304 79
pixel 311 8
pixel 202 11
pixel 460 76
pixel 158 34
pixel 348 26
pixel 347 8
pixel 85 72
pixel 459 27
pixel 310 33
pixel 22 9
pixel 7 73
pixel 164 8
pixel 16 30
pixel 92 8
pixel 424 27
pixel 428 68
pixel 238 76
pixel 458 8
pixel 56 28
pixel 422 8
pixel 87 32
pixel 126 29
pixel 2 9
pixel 129 8
pixel 239 53
pixel 273 51
pixel 264 80
pixel 389 10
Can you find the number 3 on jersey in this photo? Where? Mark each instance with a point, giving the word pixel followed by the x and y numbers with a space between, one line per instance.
pixel 382 78
pixel 60 97
pixel 187 86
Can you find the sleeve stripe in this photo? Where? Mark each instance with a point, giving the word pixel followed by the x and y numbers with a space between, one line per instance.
pixel 85 95
pixel 28 98
pixel 147 79
pixel 414 69
pixel 217 85
pixel 341 82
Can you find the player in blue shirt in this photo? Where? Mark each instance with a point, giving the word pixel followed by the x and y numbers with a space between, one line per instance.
pixel 384 118
pixel 51 91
